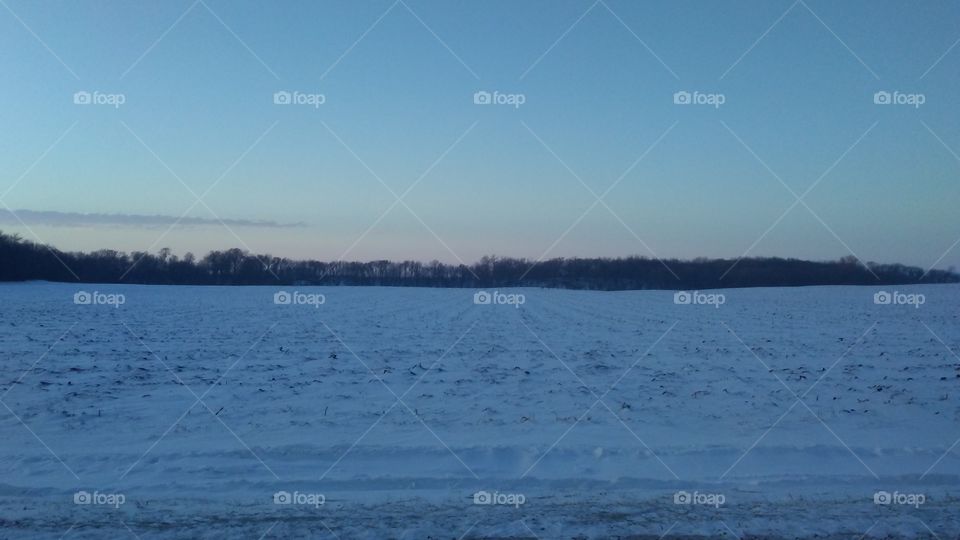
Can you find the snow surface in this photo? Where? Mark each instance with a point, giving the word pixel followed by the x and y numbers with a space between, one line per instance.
pixel 198 404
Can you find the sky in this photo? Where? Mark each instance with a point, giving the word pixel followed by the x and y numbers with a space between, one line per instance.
pixel 420 129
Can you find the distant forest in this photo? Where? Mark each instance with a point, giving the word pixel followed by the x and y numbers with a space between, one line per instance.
pixel 22 260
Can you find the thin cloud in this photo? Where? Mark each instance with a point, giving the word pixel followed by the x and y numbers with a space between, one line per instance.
pixel 76 219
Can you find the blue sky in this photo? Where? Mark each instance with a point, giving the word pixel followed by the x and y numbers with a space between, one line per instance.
pixel 597 79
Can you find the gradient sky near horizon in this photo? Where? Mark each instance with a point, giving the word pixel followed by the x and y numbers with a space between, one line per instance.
pixel 798 78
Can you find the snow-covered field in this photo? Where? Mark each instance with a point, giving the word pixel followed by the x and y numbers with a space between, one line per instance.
pixel 205 412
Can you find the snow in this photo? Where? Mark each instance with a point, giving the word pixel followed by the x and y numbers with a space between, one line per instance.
pixel 394 406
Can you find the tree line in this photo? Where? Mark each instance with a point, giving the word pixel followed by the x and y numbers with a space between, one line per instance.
pixel 22 260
